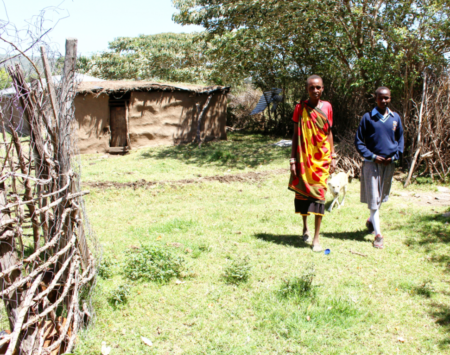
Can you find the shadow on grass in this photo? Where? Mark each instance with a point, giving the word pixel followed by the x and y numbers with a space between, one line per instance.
pixel 239 151
pixel 433 239
pixel 430 235
pixel 441 316
pixel 283 239
pixel 359 236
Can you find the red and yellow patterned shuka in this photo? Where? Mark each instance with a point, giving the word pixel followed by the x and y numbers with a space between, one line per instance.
pixel 313 151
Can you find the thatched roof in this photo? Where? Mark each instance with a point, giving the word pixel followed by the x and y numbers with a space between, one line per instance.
pixel 111 86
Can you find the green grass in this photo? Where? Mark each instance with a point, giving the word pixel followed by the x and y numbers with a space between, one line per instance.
pixel 360 305
pixel 239 154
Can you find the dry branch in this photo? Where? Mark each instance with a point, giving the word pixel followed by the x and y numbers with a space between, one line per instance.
pixel 419 145
pixel 200 118
pixel 357 253
pixel 21 316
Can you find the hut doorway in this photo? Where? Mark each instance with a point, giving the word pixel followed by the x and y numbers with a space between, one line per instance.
pixel 118 121
pixel 118 127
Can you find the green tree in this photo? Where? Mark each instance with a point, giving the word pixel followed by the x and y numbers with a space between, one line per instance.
pixel 5 80
pixel 166 56
pixel 355 45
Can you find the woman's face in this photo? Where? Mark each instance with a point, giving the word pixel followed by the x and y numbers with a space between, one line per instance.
pixel 315 89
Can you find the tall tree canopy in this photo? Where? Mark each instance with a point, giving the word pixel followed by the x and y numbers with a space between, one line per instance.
pixel 355 45
pixel 165 56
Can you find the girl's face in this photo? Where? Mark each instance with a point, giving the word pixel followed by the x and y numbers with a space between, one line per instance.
pixel 315 89
pixel 383 99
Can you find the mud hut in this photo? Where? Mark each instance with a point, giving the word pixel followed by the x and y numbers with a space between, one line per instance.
pixel 115 116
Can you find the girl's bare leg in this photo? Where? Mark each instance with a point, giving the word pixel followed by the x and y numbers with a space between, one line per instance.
pixel 318 221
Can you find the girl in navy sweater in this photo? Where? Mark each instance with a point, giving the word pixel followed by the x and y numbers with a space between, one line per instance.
pixel 379 140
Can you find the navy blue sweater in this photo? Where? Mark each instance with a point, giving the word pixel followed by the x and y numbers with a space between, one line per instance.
pixel 379 136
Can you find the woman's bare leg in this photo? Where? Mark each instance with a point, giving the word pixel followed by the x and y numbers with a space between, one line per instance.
pixel 318 221
pixel 305 224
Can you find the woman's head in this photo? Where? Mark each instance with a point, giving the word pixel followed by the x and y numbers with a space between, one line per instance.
pixel 314 85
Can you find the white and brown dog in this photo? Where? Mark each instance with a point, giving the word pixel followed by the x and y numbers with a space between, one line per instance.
pixel 337 184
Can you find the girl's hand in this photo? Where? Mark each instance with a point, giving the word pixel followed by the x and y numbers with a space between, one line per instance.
pixel 379 160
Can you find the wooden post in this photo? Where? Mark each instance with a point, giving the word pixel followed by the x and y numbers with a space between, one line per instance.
pixel 51 91
pixel 65 127
pixel 67 90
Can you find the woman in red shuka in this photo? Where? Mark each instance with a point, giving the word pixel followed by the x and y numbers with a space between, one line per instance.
pixel 313 157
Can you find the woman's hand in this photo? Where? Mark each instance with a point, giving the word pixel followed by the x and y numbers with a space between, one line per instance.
pixel 333 166
pixel 293 170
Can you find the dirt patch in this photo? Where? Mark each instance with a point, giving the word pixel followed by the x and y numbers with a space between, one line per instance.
pixel 425 198
pixel 250 177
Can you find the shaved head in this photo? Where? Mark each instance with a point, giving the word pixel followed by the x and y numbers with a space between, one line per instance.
pixel 380 89
pixel 313 77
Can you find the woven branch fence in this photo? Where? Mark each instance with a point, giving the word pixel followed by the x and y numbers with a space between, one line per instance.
pixel 47 250
pixel 431 127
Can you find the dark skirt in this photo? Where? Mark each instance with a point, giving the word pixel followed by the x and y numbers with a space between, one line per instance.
pixel 306 207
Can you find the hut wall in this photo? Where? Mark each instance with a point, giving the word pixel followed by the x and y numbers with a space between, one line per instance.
pixel 157 118
pixel 12 113
pixel 92 116
pixel 215 119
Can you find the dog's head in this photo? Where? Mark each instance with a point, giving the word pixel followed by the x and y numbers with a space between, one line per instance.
pixel 334 185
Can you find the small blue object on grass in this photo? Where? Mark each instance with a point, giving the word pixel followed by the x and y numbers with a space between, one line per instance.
pixel 327 251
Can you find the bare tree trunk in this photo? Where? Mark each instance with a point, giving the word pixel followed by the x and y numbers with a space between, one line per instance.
pixel 419 144
pixel 200 117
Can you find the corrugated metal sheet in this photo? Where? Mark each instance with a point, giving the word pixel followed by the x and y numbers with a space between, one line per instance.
pixel 79 78
pixel 267 98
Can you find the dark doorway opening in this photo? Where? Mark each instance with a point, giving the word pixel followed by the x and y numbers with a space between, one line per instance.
pixel 118 120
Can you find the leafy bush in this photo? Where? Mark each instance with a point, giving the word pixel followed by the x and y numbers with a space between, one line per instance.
pixel 198 250
pixel 299 287
pixel 105 268
pixel 204 247
pixel 119 295
pixel 154 263
pixel 241 102
pixel 222 155
pixel 237 271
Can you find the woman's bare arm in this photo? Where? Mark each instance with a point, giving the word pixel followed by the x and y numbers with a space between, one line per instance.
pixel 333 161
pixel 294 148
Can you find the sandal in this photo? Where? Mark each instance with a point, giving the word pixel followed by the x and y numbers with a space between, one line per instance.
pixel 306 237
pixel 317 248
pixel 378 242
pixel 369 225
